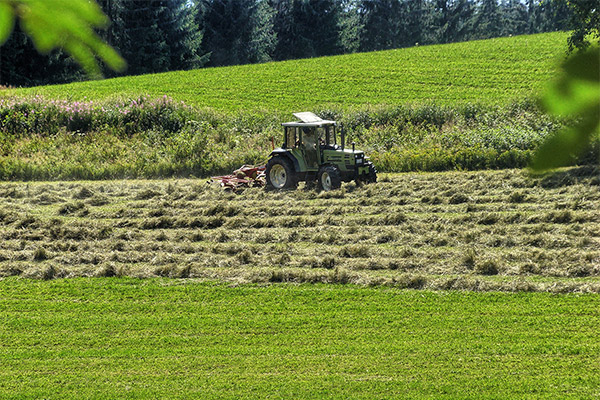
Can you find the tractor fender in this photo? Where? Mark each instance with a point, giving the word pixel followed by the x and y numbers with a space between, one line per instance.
pixel 286 154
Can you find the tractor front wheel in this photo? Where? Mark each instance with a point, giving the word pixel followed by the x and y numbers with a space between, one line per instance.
pixel 280 174
pixel 372 174
pixel 371 177
pixel 329 178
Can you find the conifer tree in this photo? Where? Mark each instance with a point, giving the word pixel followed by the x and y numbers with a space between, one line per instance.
pixel 184 38
pixel 22 65
pixel 514 18
pixel 381 20
pixel 488 20
pixel 154 35
pixel 236 31
pixel 140 40
pixel 307 28
pixel 454 20
pixel 350 26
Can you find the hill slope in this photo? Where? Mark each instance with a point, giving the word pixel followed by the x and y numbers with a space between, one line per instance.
pixel 492 71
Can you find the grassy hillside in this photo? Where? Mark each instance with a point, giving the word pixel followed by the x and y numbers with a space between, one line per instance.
pixel 458 106
pixel 138 339
pixel 492 71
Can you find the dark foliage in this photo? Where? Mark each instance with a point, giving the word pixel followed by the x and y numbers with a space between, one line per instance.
pixel 166 35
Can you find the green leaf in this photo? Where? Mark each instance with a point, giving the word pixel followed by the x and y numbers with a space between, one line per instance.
pixel 577 94
pixel 68 24
pixel 88 11
pixel 577 87
pixel 7 21
pixel 562 148
pixel 584 65
pixel 570 97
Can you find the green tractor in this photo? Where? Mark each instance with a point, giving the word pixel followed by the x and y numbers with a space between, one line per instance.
pixel 310 152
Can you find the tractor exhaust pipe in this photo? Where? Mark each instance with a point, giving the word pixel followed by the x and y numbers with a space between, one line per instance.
pixel 343 137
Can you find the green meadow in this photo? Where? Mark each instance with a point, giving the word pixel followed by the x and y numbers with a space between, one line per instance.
pixel 129 338
pixel 492 72
pixel 450 285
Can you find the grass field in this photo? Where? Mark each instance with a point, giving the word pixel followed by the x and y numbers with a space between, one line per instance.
pixel 463 106
pixel 299 294
pixel 129 338
pixel 150 138
pixel 495 71
pixel 494 230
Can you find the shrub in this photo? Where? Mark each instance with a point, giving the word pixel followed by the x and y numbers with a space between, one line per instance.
pixel 144 137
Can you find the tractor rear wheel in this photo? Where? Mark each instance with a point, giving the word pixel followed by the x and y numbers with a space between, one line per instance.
pixel 280 174
pixel 329 178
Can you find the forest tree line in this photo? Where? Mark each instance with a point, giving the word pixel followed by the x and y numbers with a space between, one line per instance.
pixel 167 35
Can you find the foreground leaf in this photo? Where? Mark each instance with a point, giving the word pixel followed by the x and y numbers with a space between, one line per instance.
pixel 67 24
pixel 577 94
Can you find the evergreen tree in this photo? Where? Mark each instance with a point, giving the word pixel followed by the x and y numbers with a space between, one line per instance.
pixel 285 29
pixel 111 9
pixel 307 28
pixel 178 23
pixel 350 26
pixel 154 35
pixel 263 39
pixel 381 20
pixel 533 16
pixel 556 14
pixel 415 23
pixel 488 20
pixel 319 27
pixel 22 65
pixel 140 40
pixel 454 20
pixel 514 18
pixel 237 31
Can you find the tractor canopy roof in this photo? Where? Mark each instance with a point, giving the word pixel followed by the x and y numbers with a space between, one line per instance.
pixel 309 119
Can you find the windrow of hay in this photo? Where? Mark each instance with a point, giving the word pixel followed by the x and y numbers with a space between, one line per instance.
pixel 544 238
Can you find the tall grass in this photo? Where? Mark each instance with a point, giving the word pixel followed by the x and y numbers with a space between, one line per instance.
pixel 145 137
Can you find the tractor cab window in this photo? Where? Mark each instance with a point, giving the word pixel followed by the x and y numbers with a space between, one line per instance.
pixel 309 137
pixel 327 136
pixel 321 135
pixel 290 137
pixel 331 140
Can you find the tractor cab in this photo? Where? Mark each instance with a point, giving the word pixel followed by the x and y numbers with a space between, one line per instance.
pixel 310 151
pixel 309 137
